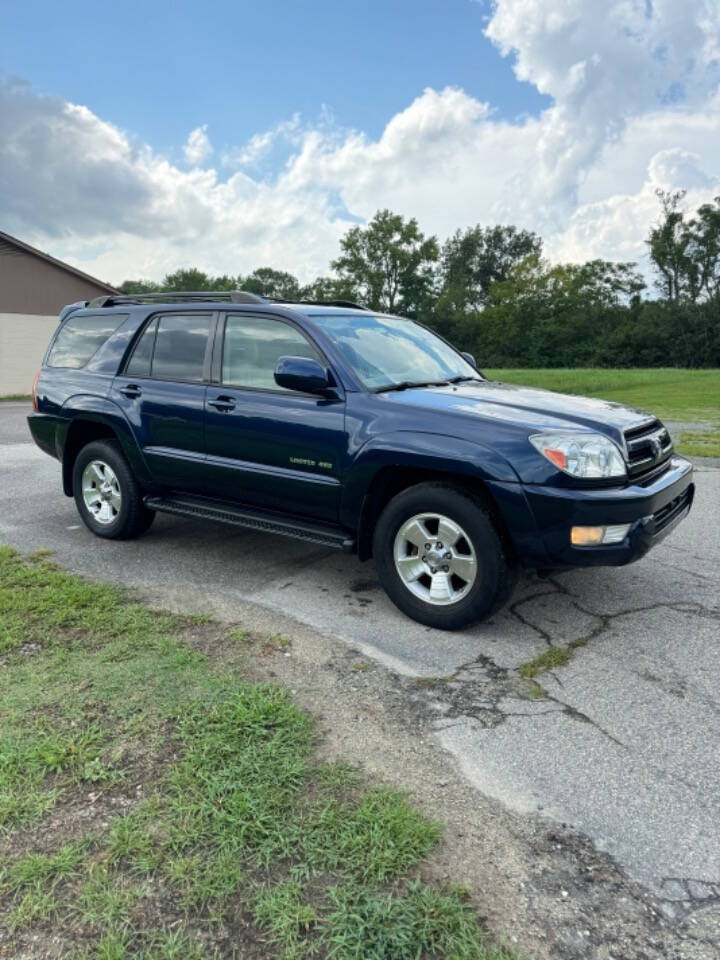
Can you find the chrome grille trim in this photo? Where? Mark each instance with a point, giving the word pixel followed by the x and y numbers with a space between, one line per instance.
pixel 647 446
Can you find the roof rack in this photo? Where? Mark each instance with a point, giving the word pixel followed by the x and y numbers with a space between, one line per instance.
pixel 335 303
pixel 183 296
pixel 203 296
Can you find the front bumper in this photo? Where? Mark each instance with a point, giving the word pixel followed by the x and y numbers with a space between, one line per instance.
pixel 652 510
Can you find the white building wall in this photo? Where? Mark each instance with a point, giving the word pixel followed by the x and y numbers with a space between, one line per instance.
pixel 23 339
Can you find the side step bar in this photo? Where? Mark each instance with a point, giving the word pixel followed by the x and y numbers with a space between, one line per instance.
pixel 243 516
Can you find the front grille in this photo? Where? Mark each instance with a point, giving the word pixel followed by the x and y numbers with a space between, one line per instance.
pixel 648 447
pixel 667 514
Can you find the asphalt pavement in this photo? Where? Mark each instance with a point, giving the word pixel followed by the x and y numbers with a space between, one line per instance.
pixel 625 746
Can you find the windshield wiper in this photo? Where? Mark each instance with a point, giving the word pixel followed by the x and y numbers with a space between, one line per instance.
pixel 407 384
pixel 463 379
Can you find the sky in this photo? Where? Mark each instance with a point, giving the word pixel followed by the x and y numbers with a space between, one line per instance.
pixel 139 138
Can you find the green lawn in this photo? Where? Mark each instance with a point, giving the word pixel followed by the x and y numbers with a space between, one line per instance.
pixel 156 804
pixel 688 396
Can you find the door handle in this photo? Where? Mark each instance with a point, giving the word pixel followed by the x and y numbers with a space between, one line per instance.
pixel 131 390
pixel 223 404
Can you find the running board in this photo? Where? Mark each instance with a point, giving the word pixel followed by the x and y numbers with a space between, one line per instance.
pixel 243 516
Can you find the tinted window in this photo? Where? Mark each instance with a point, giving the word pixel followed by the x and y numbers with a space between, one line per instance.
pixel 80 338
pixel 180 347
pixel 139 365
pixel 253 346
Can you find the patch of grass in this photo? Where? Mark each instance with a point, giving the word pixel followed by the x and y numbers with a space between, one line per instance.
pixel 104 899
pixel 670 393
pixel 38 870
pixel 375 840
pixel 228 821
pixel 282 910
pixel 278 641
pixel 549 659
pixel 16 397
pixel 361 666
pixel 35 905
pixel 534 690
pixel 240 636
pixel 700 443
pixel 422 922
pixel 29 754
pixel 673 393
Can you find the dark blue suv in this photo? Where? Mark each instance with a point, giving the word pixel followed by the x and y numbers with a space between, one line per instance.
pixel 359 431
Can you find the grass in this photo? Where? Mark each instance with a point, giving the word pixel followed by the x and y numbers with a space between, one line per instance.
pixel 156 804
pixel 550 659
pixel 16 397
pixel 688 396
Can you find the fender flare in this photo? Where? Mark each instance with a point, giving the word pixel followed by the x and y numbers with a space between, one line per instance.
pixel 405 449
pixel 94 409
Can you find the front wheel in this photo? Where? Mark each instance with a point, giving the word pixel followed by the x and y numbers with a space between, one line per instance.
pixel 440 557
pixel 107 495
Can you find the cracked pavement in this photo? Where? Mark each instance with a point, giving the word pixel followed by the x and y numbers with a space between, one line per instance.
pixel 621 743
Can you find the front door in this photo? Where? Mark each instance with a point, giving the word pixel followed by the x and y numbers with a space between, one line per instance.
pixel 268 446
pixel 162 393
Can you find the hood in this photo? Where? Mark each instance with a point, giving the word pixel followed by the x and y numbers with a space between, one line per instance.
pixel 526 407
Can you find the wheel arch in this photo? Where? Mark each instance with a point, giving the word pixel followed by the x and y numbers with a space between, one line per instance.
pixel 88 425
pixel 392 462
pixel 389 481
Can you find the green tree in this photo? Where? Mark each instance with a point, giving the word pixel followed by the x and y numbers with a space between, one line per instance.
pixel 186 279
pixel 139 286
pixel 329 288
pixel 475 259
pixel 268 282
pixel 704 250
pixel 669 244
pixel 390 264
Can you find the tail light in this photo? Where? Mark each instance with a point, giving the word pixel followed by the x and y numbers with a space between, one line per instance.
pixel 34 391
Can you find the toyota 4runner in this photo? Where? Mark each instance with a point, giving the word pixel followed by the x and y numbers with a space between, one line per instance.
pixel 364 432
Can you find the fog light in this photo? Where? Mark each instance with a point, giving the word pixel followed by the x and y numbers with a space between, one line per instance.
pixel 597 536
pixel 587 536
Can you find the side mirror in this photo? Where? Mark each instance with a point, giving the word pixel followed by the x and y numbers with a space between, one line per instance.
pixel 470 359
pixel 303 374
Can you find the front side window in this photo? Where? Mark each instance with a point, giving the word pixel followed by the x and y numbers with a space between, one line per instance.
pixel 80 338
pixel 384 351
pixel 253 346
pixel 180 345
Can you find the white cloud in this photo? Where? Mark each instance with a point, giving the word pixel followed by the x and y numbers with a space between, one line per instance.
pixel 198 148
pixel 259 145
pixel 635 106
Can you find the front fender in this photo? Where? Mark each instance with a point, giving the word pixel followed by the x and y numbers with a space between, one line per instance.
pixel 94 409
pixel 424 452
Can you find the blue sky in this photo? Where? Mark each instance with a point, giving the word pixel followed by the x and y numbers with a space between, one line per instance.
pixel 159 68
pixel 137 138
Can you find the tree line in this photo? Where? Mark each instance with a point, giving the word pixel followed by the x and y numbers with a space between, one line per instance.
pixel 491 291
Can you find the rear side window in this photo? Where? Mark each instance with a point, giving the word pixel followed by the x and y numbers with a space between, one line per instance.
pixel 80 338
pixel 180 345
pixel 139 365
pixel 253 346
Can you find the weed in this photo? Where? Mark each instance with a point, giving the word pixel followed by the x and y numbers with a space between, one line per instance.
pixel 549 659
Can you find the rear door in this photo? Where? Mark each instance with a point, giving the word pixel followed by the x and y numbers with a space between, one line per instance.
pixel 162 392
pixel 268 446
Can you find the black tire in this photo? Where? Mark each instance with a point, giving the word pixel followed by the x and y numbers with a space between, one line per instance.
pixel 495 568
pixel 131 517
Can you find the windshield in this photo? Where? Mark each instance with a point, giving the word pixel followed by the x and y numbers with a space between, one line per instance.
pixel 388 351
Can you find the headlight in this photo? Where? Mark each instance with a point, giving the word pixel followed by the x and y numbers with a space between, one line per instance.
pixel 588 455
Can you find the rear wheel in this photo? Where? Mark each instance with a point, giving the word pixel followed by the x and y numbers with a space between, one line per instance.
pixel 107 495
pixel 440 557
